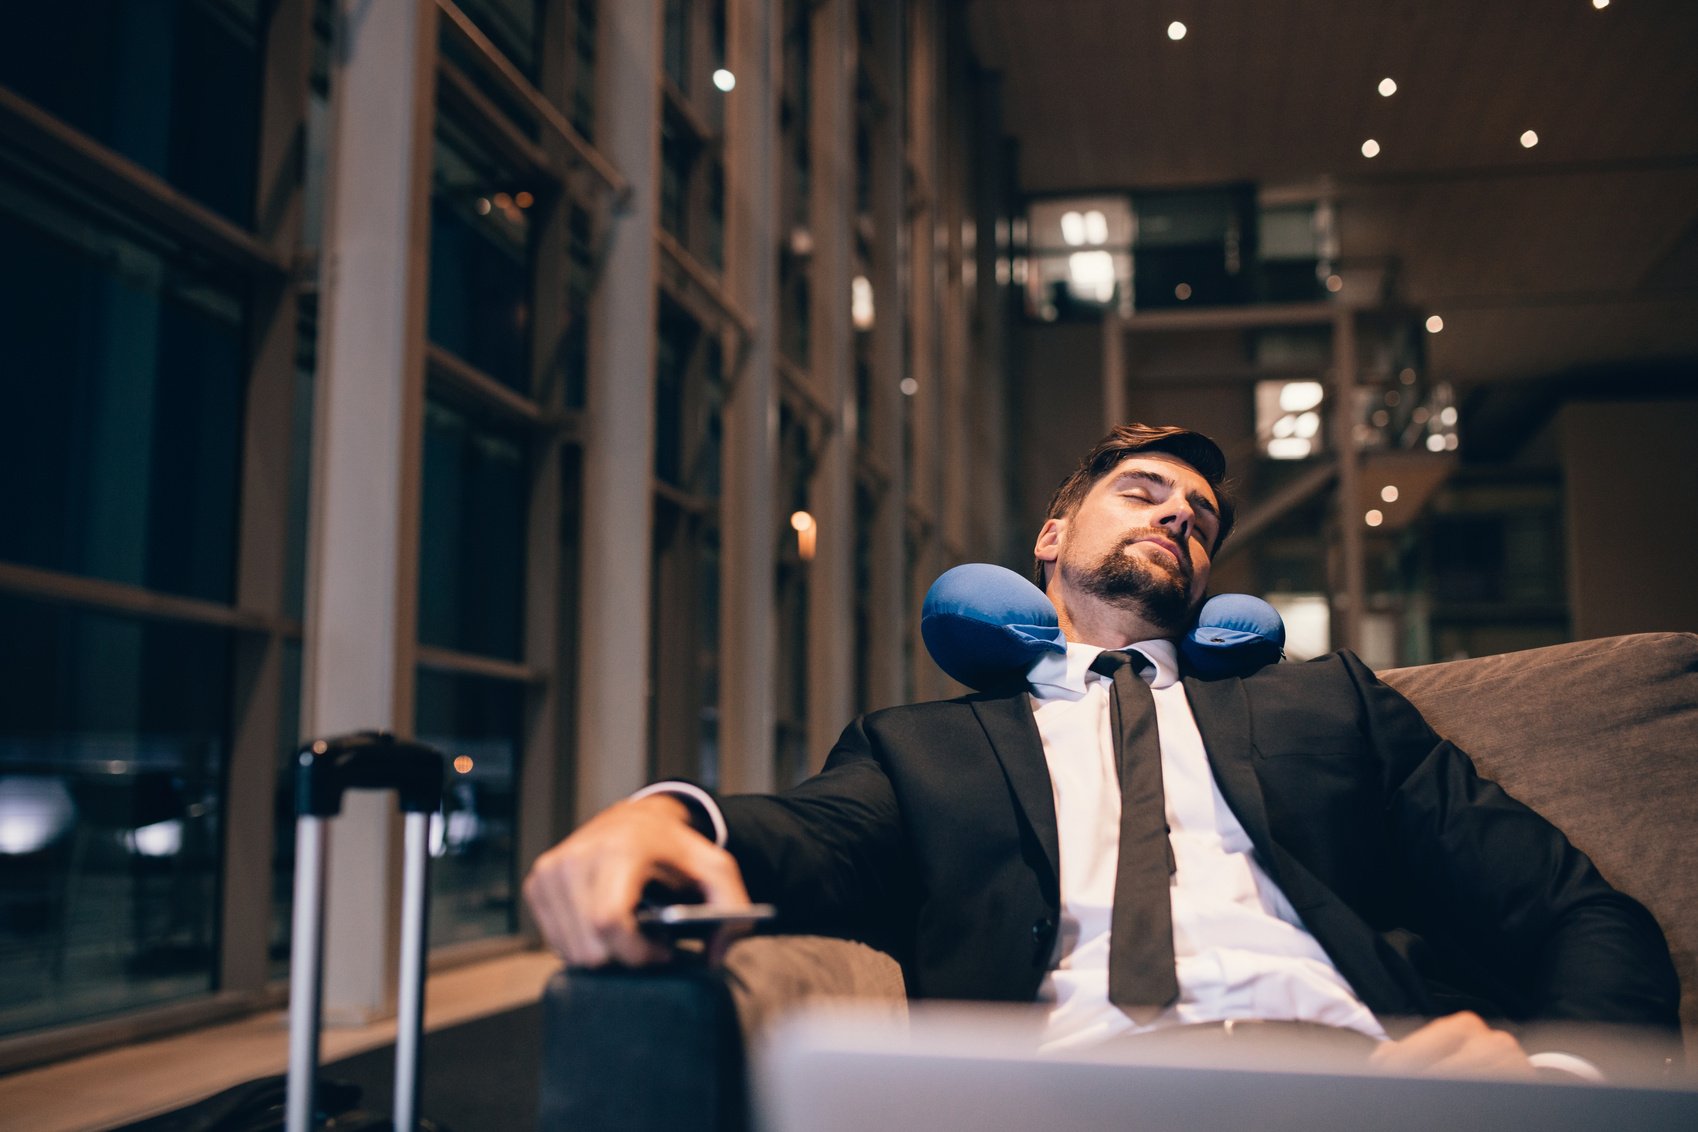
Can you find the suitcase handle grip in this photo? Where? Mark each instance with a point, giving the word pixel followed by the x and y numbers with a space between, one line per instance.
pixel 367 760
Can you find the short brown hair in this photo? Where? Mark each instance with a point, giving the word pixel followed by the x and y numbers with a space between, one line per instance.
pixel 1131 439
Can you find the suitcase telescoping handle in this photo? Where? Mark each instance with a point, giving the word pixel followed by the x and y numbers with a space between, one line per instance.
pixel 324 770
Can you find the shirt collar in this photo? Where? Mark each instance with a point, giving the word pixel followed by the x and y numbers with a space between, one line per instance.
pixel 1056 674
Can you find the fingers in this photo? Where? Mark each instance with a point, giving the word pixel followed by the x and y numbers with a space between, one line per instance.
pixel 1458 1045
pixel 584 891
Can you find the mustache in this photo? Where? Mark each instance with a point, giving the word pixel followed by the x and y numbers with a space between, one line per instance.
pixel 1182 546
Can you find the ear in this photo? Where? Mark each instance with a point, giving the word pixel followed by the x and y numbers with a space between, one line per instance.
pixel 1050 535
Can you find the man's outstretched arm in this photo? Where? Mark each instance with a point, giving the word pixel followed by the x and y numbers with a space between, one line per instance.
pixel 584 892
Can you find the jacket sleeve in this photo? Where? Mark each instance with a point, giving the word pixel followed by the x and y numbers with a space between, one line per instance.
pixel 1496 886
pixel 829 852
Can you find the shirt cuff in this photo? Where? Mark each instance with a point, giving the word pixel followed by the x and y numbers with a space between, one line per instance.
pixel 1569 1064
pixel 691 793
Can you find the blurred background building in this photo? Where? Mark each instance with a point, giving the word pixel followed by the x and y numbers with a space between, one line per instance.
pixel 594 387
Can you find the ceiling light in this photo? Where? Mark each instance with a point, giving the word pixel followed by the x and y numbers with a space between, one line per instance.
pixel 1388 87
pixel 1529 140
pixel 1374 518
pixel 1388 493
pixel 1447 415
pixel 1176 31
pixel 1370 148
pixel 1434 324
pixel 1600 4
pixel 724 79
pixel 1435 443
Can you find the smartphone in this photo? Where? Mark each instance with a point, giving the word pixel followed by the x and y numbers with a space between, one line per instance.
pixel 698 921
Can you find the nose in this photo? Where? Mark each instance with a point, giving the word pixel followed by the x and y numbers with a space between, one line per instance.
pixel 1177 517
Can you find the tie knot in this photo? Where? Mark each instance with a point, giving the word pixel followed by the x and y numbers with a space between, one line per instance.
pixel 1110 661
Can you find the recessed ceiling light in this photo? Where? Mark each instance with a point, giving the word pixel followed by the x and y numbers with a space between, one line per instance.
pixel 1176 31
pixel 1529 140
pixel 1434 324
pixel 1388 87
pixel 1370 148
pixel 724 79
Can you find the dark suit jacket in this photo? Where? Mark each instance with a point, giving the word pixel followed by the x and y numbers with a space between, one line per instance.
pixel 931 833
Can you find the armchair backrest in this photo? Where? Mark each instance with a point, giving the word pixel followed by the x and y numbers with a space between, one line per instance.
pixel 1601 737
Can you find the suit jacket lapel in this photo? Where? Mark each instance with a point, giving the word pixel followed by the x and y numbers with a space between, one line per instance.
pixel 1386 983
pixel 1223 719
pixel 1013 734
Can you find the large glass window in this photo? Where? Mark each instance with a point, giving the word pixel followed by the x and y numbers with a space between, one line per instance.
pixel 113 734
pixel 119 447
pixel 481 255
pixel 472 535
pixel 476 721
pixel 173 85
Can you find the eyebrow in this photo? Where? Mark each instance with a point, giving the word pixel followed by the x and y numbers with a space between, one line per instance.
pixel 1196 499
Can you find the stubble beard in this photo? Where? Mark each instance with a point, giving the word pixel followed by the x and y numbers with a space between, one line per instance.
pixel 1159 591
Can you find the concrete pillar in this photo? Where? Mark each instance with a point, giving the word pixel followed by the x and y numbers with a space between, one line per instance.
pixel 831 496
pixel 888 600
pixel 1347 606
pixel 613 674
pixel 748 617
pixel 363 546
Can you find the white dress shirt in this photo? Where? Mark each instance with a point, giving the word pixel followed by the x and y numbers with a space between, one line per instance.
pixel 1240 949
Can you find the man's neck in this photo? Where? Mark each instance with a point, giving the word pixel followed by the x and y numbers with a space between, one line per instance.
pixel 1093 622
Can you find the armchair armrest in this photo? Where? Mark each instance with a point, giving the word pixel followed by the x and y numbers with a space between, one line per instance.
pixel 664 1048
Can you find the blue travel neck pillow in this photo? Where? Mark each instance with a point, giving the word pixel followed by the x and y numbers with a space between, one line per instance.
pixel 985 625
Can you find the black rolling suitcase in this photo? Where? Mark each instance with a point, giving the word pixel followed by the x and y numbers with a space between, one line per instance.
pixel 324 771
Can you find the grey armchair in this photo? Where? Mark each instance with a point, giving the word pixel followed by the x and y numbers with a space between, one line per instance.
pixel 1599 736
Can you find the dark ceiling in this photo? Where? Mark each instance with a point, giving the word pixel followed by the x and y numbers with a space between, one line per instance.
pixel 1576 256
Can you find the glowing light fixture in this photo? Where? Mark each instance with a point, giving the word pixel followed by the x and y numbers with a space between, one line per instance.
pixel 1096 227
pixel 1300 396
pixel 1176 31
pixel 1289 448
pixel 1182 292
pixel 861 302
pixel 1434 324
pixel 803 524
pixel 1388 493
pixel 724 79
pixel 523 199
pixel 1370 148
pixel 909 387
pixel 1335 284
pixel 1374 518
pixel 1388 87
pixel 1600 4
pixel 1073 228
pixel 463 764
pixel 1447 415
pixel 1435 443
pixel 1529 140
pixel 1308 424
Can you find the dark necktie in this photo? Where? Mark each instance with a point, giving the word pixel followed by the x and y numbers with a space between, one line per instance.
pixel 1141 980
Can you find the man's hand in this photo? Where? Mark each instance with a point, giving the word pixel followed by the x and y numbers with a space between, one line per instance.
pixel 584 891
pixel 1457 1045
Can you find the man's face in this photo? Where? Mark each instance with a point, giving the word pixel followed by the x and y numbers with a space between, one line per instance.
pixel 1140 540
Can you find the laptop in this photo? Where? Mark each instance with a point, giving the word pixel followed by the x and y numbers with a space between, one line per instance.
pixel 969 1066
